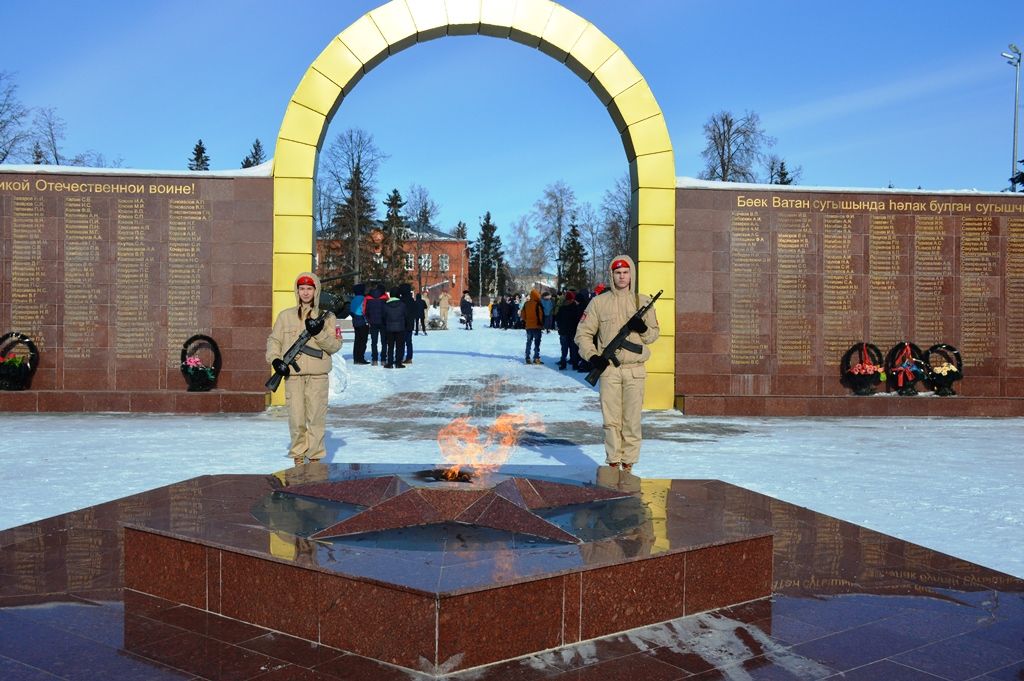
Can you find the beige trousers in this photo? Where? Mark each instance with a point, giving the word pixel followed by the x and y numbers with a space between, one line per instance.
pixel 622 401
pixel 306 397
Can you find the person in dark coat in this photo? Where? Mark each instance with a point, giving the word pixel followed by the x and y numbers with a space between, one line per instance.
pixel 567 319
pixel 411 313
pixel 394 324
pixel 466 308
pixel 373 310
pixel 359 326
pixel 421 315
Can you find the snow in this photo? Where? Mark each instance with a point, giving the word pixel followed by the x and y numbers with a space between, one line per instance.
pixel 954 485
pixel 265 169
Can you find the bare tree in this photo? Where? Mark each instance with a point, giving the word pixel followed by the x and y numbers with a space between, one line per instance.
pixel 593 237
pixel 422 212
pixel 325 198
pixel 49 129
pixel 778 173
pixel 15 137
pixel 734 147
pixel 615 212
pixel 526 252
pixel 350 165
pixel 551 216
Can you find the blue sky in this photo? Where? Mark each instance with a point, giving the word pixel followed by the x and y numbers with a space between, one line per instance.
pixel 861 94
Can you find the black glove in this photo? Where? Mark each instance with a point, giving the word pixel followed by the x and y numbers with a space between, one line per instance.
pixel 636 324
pixel 314 325
pixel 598 362
pixel 280 367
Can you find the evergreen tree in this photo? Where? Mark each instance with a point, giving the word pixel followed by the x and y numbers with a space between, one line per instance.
pixel 199 160
pixel 460 231
pixel 256 155
pixel 354 219
pixel 573 257
pixel 487 271
pixel 388 265
pixel 38 157
pixel 784 176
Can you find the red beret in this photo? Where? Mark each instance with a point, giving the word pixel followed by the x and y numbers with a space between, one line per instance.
pixel 620 263
pixel 305 281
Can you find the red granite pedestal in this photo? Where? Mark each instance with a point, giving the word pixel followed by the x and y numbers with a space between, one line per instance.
pixel 403 578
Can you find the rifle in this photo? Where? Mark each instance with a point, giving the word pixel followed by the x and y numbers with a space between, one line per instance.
pixel 289 357
pixel 609 350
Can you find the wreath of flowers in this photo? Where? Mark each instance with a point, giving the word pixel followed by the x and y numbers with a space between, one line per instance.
pixel 200 376
pixel 16 369
pixel 861 368
pixel 945 366
pixel 905 366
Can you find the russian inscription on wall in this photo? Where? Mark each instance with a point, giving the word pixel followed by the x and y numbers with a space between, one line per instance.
pixel 110 275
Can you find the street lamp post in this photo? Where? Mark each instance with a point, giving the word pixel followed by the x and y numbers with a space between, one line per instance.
pixel 1013 59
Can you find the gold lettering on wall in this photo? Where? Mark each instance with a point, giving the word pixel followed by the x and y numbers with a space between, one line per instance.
pixel 188 221
pixel 794 324
pixel 885 322
pixel 135 260
pixel 1014 303
pixel 82 244
pixel 748 271
pixel 839 294
pixel 28 279
pixel 932 271
pixel 979 290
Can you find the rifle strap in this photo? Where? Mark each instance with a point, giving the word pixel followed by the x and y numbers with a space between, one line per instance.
pixel 306 350
pixel 632 347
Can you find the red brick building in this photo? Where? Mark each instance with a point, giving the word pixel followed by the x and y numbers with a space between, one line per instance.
pixel 434 260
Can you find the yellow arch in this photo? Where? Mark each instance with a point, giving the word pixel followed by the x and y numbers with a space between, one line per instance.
pixel 542 24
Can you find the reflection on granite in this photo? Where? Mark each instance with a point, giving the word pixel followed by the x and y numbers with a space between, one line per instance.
pixel 838 589
pixel 473 564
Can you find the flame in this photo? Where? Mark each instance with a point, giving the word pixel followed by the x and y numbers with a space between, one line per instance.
pixel 462 444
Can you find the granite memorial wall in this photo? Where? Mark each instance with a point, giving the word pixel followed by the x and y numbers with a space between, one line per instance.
pixel 776 283
pixel 111 274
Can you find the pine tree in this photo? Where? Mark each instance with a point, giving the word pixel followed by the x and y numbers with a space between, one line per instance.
pixel 38 157
pixel 783 175
pixel 487 271
pixel 199 160
pixel 354 218
pixel 389 268
pixel 460 231
pixel 573 257
pixel 256 155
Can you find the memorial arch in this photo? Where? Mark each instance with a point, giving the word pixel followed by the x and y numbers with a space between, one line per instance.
pixel 541 24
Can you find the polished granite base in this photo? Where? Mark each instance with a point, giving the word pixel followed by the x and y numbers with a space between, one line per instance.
pixel 847 603
pixel 388 563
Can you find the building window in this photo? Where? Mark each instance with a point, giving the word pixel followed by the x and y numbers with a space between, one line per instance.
pixel 442 262
pixel 410 262
pixel 425 262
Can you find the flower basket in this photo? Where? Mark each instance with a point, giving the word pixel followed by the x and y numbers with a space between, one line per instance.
pixel 17 364
pixel 905 366
pixel 200 363
pixel 945 367
pixel 861 368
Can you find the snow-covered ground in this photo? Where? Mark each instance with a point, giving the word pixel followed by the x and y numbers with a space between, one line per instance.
pixel 956 485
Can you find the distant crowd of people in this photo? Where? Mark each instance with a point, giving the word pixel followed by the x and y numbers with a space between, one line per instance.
pixel 605 334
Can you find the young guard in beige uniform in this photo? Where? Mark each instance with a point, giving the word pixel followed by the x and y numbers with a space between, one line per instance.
pixel 622 387
pixel 305 389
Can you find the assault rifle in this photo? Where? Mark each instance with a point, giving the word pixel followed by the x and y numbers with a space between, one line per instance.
pixel 327 306
pixel 609 350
